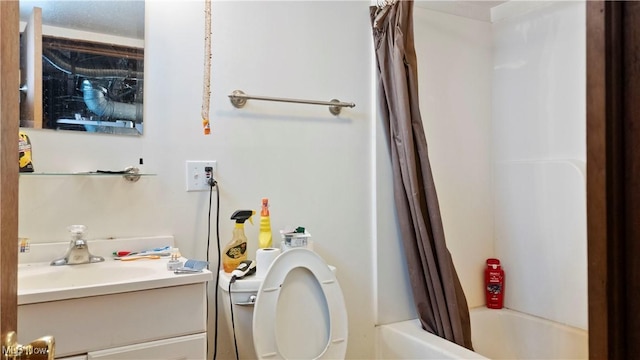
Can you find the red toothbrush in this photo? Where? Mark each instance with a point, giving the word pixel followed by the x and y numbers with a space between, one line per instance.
pixel 123 253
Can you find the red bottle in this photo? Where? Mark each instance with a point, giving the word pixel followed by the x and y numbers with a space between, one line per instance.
pixel 494 284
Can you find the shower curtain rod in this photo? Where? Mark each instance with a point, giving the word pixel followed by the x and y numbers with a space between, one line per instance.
pixel 239 99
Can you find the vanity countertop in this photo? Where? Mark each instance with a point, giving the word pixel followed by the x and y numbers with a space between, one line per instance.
pixel 40 282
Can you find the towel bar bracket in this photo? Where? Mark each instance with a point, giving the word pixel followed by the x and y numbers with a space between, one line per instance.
pixel 237 99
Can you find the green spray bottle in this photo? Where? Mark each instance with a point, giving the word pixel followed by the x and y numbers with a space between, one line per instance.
pixel 236 250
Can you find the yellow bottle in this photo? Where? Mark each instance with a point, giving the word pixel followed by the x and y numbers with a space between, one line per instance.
pixel 264 236
pixel 236 249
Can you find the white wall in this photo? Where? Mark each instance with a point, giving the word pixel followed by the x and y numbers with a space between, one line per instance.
pixel 455 102
pixel 540 152
pixel 315 168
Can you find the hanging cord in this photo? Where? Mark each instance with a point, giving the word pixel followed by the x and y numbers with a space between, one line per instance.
pixel 213 183
pixel 233 323
pixel 206 82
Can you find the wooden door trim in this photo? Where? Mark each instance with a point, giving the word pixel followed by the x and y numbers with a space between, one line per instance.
pixel 613 174
pixel 9 127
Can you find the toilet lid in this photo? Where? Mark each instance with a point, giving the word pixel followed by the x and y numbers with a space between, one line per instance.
pixel 273 334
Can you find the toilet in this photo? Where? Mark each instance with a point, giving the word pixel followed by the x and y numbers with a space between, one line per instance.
pixel 296 311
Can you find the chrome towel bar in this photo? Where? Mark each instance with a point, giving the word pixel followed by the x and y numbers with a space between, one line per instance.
pixel 239 99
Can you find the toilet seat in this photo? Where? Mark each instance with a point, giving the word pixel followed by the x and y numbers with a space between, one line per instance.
pixel 264 315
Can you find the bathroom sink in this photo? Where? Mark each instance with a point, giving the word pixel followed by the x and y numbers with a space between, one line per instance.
pixel 55 277
pixel 40 282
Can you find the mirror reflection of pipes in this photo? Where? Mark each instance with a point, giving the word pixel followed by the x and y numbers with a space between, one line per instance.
pixel 63 65
pixel 98 103
pixel 96 100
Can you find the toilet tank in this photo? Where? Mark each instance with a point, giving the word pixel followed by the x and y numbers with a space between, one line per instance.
pixel 243 295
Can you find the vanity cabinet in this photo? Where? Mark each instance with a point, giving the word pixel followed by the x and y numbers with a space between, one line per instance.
pixel 158 323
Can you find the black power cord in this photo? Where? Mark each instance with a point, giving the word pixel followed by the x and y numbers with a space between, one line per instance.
pixel 233 323
pixel 213 183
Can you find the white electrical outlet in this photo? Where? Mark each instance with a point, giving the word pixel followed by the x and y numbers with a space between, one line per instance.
pixel 197 176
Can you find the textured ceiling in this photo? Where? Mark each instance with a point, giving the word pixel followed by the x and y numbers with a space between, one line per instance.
pixel 115 17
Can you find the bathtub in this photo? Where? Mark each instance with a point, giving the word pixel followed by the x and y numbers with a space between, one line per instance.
pixel 496 334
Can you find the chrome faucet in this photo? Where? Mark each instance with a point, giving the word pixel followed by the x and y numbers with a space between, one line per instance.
pixel 78 252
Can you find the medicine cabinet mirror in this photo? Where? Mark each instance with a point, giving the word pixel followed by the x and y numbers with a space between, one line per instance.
pixel 82 65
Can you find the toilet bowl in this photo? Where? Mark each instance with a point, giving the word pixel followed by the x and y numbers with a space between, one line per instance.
pixel 296 311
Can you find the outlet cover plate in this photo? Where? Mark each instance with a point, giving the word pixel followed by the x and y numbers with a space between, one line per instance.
pixel 196 175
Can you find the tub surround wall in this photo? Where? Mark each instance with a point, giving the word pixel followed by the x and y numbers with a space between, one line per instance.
pixel 508 334
pixel 454 72
pixel 504 114
pixel 455 102
pixel 539 133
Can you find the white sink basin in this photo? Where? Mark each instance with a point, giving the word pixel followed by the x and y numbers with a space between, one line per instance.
pixel 56 277
pixel 40 282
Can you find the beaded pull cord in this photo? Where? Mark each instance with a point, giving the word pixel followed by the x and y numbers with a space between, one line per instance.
pixel 206 88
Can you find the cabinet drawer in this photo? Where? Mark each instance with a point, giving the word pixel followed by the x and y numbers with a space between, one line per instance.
pixel 184 347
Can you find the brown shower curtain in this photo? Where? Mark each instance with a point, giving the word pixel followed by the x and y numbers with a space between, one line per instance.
pixel 438 296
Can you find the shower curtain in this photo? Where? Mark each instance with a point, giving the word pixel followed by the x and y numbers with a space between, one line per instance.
pixel 437 292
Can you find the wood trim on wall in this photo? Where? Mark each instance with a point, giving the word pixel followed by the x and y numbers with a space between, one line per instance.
pixel 600 165
pixel 92 47
pixel 31 57
pixel 9 120
pixel 596 180
pixel 613 178
pixel 629 279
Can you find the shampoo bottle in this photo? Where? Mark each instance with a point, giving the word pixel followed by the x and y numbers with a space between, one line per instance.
pixel 264 236
pixel 236 249
pixel 494 283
